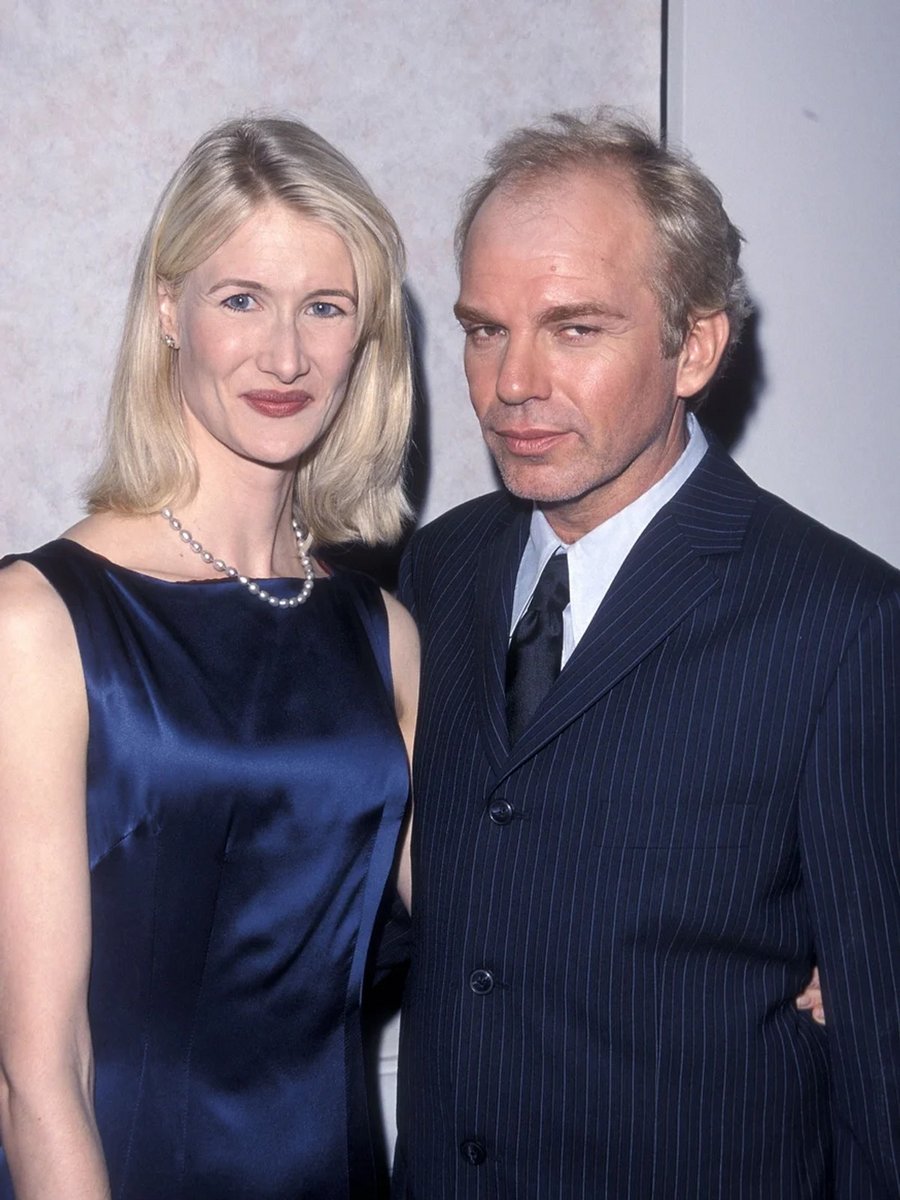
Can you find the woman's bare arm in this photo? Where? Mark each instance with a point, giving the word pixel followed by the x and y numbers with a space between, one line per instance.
pixel 404 639
pixel 46 1070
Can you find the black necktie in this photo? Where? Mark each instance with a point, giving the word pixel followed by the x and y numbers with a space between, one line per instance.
pixel 535 649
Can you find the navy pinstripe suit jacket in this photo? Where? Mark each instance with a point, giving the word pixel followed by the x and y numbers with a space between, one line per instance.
pixel 612 918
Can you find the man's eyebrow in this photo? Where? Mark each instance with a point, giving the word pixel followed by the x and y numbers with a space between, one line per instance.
pixel 549 316
pixel 571 312
pixel 462 312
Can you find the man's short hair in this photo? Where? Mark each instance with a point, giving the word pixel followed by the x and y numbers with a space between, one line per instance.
pixel 697 271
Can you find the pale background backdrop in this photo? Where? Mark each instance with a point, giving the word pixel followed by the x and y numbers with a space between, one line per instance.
pixel 101 102
pixel 791 108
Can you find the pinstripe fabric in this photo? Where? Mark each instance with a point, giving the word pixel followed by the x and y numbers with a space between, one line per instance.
pixel 706 802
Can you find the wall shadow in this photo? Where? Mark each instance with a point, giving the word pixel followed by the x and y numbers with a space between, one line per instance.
pixel 734 397
pixel 382 562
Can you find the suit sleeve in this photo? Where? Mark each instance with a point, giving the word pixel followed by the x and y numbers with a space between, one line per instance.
pixel 850 840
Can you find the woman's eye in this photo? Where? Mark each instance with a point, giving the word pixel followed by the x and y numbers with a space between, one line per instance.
pixel 324 308
pixel 239 303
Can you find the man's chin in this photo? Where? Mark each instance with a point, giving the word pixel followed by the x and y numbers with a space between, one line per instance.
pixel 536 484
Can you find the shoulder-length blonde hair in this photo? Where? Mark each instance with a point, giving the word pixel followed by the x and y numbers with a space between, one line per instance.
pixel 349 485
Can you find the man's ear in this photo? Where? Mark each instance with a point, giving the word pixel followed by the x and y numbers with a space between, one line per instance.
pixel 168 312
pixel 701 353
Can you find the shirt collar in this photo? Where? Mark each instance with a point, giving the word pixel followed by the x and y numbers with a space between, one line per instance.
pixel 595 559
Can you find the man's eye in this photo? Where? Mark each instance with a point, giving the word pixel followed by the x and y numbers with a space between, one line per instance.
pixel 239 303
pixel 481 333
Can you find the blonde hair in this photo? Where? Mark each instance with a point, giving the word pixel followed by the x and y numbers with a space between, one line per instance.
pixel 349 485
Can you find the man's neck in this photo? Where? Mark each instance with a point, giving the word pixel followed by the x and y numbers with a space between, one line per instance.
pixel 570 520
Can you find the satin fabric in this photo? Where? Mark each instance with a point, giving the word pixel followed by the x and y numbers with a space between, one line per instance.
pixel 246 785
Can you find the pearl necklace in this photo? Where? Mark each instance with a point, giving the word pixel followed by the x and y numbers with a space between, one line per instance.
pixel 304 541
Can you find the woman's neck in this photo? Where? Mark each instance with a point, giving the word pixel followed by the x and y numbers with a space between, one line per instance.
pixel 244 521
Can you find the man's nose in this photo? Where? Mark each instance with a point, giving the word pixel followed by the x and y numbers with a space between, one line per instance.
pixel 523 373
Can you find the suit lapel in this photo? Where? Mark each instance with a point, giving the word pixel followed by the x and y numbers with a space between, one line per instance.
pixel 498 564
pixel 664 577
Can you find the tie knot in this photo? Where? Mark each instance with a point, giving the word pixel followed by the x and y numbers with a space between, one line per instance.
pixel 552 591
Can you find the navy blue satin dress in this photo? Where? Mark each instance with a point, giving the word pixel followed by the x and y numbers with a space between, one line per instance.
pixel 246 785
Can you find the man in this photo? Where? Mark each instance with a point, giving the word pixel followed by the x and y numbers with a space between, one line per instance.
pixel 623 874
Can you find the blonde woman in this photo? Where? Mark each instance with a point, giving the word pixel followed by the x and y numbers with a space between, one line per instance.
pixel 203 769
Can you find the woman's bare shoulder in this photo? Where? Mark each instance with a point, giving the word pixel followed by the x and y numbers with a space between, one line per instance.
pixel 34 622
pixel 26 591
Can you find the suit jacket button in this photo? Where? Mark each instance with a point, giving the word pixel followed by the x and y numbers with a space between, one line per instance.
pixel 500 811
pixel 473 1152
pixel 481 982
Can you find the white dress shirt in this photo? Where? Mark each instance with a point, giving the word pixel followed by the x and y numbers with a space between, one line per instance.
pixel 595 559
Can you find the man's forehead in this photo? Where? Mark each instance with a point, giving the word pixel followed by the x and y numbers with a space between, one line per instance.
pixel 544 193
pixel 572 225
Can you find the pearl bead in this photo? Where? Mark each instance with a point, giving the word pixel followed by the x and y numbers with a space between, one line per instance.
pixel 304 541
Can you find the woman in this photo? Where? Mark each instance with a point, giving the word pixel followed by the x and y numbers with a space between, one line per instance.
pixel 202 764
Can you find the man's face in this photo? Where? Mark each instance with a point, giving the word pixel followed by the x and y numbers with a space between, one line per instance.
pixel 577 405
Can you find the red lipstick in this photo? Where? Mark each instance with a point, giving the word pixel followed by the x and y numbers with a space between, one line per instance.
pixel 277 404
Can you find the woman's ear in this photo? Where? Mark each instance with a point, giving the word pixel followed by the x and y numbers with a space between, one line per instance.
pixel 701 353
pixel 168 313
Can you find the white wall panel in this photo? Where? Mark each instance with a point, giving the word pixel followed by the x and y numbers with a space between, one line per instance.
pixel 101 101
pixel 792 109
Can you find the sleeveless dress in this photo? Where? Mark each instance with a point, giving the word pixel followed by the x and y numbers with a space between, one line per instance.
pixel 246 783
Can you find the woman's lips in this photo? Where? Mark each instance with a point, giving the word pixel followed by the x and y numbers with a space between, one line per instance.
pixel 277 404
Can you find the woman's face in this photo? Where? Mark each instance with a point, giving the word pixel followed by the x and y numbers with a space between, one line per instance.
pixel 266 330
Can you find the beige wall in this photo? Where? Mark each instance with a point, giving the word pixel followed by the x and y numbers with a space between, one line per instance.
pixel 101 101
pixel 792 109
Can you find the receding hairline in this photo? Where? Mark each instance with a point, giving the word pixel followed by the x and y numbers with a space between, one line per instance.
pixel 540 184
